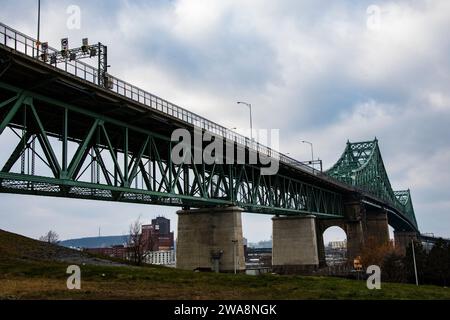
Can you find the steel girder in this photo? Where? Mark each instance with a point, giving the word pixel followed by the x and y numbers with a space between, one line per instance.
pixel 91 156
pixel 404 197
pixel 361 165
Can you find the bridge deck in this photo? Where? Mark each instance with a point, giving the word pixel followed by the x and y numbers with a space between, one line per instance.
pixel 43 79
pixel 73 86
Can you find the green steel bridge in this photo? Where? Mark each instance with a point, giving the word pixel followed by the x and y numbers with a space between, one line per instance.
pixel 69 135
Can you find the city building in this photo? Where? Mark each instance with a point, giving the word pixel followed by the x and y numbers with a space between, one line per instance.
pixel 119 251
pixel 338 244
pixel 157 236
pixel 165 258
pixel 257 258
pixel 158 244
pixel 336 253
pixel 163 224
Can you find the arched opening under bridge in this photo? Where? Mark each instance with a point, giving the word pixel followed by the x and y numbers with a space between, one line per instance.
pixel 335 243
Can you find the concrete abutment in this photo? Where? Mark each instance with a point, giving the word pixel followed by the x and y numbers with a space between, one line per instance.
pixel 210 239
pixel 295 248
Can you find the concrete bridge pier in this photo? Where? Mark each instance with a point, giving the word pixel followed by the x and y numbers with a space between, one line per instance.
pixel 376 228
pixel 320 229
pixel 402 239
pixel 354 229
pixel 355 240
pixel 294 248
pixel 210 239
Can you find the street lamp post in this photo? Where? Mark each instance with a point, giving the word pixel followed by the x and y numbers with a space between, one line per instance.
pixel 312 151
pixel 249 105
pixel 414 259
pixel 38 27
pixel 39 21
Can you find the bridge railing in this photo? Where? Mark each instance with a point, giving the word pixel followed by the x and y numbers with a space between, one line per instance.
pixel 27 45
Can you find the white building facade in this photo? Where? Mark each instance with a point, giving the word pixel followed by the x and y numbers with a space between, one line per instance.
pixel 163 258
pixel 338 244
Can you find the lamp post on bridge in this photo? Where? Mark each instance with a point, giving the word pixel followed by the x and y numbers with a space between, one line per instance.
pixel 39 21
pixel 312 151
pixel 38 38
pixel 249 105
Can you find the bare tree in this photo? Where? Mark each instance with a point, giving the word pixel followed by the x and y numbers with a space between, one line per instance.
pixel 50 237
pixel 138 244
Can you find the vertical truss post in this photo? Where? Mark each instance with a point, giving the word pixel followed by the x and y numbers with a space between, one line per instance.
pixel 24 146
pixel 169 162
pixel 64 144
pixel 125 158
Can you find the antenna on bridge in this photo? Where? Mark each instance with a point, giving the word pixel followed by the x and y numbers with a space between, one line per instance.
pixel 85 51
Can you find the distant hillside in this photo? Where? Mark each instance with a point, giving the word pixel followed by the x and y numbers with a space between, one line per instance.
pixel 94 242
pixel 16 249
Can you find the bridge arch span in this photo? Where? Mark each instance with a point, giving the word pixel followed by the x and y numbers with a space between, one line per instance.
pixel 361 166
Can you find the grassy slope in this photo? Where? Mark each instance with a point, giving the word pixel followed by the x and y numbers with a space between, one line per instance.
pixel 27 271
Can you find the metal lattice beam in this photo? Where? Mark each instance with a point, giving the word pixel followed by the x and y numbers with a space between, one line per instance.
pixel 361 165
pixel 130 164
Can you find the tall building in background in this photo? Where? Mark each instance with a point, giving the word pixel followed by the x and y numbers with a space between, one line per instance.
pixel 163 223
pixel 159 242
pixel 158 236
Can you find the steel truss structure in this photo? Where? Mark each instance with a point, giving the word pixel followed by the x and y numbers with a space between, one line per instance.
pixel 88 141
pixel 23 44
pixel 90 156
pixel 361 165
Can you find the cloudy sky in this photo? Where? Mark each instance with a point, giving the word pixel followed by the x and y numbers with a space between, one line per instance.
pixel 324 71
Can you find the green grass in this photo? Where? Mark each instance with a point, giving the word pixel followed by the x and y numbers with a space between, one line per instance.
pixel 26 276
